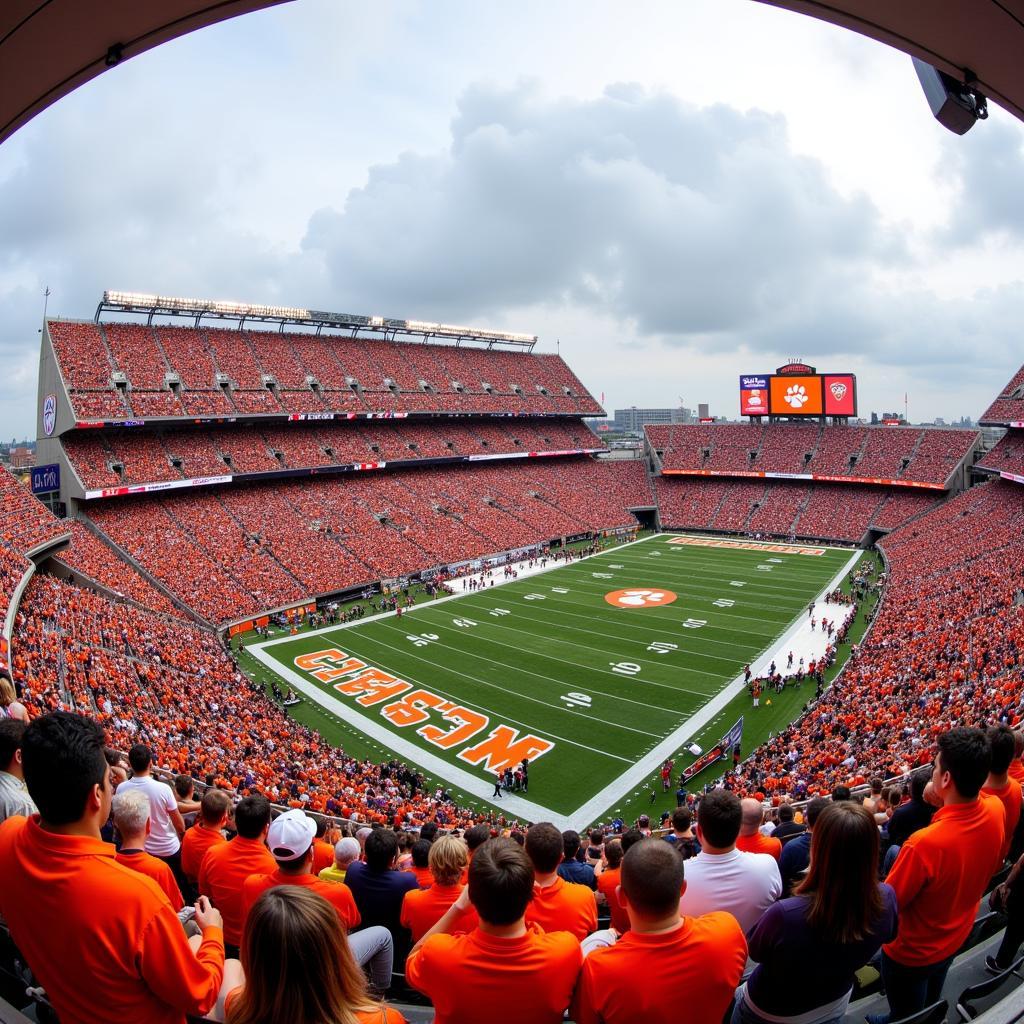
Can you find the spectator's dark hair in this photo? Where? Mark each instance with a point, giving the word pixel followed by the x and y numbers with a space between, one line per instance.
pixel 62 758
pixel 630 837
pixel 429 831
pixel 719 816
pixel 518 837
pixel 814 808
pixel 420 853
pixel 381 849
pixel 842 880
pixel 476 836
pixel 570 844
pixel 501 881
pixel 786 812
pixel 681 819
pixel 544 846
pixel 12 730
pixel 841 793
pixel 183 785
pixel 1001 741
pixel 113 757
pixel 252 816
pixel 1018 742
pixel 140 757
pixel 876 786
pixel 652 875
pixel 321 827
pixel 596 837
pixel 966 755
pixel 613 852
pixel 918 784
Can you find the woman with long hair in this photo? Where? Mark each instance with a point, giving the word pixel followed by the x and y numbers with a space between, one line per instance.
pixel 10 706
pixel 299 968
pixel 836 920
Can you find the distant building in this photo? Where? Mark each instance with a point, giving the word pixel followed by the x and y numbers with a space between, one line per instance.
pixel 702 410
pixel 632 420
pixel 22 458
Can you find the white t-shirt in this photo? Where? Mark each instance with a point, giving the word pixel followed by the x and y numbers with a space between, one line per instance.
pixel 744 884
pixel 162 840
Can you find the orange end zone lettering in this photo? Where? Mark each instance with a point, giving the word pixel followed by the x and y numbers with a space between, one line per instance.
pixel 374 686
pixel 412 708
pixel 468 723
pixel 328 665
pixel 503 749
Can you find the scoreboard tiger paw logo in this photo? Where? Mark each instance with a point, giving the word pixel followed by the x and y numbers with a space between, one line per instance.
pixel 796 396
pixel 639 598
pixel 838 389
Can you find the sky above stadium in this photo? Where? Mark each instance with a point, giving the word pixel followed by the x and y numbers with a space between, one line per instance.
pixel 672 193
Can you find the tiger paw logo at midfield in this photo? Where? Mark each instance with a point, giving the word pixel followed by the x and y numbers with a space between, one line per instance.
pixel 838 389
pixel 796 396
pixel 639 598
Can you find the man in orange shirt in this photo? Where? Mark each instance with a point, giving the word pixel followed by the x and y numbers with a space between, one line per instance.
pixel 1016 771
pixel 557 905
pixel 206 832
pixel 750 839
pixel 420 864
pixel 999 784
pixel 131 818
pixel 290 839
pixel 323 851
pixel 940 874
pixel 664 959
pixel 505 962
pixel 608 883
pixel 101 939
pixel 423 908
pixel 226 867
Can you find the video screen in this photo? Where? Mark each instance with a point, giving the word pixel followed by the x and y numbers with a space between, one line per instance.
pixel 795 396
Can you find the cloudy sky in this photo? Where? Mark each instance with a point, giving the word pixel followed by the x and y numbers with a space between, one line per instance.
pixel 676 192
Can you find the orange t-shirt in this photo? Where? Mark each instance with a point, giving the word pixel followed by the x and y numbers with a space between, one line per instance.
pixel 758 843
pixel 1016 770
pixel 338 894
pixel 323 855
pixel 697 966
pixel 225 868
pixel 378 1015
pixel 1011 796
pixel 529 978
pixel 155 868
pixel 194 844
pixel 424 879
pixel 563 907
pixel 102 939
pixel 607 882
pixel 423 908
pixel 939 877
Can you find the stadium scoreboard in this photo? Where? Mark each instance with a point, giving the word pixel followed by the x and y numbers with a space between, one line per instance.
pixel 797 389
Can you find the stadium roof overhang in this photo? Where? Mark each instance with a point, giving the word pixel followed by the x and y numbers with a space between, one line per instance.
pixel 983 38
pixel 242 313
pixel 50 47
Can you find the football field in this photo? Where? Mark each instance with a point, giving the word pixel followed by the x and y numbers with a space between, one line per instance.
pixel 595 670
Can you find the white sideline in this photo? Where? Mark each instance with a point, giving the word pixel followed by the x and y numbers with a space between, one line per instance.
pixel 481 788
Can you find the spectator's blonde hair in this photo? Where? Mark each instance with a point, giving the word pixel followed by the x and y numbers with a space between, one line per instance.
pixel 8 695
pixel 448 859
pixel 131 811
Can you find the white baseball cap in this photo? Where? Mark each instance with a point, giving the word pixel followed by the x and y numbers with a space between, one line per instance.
pixel 291 835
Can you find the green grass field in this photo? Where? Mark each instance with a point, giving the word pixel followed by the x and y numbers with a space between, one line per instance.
pixel 597 694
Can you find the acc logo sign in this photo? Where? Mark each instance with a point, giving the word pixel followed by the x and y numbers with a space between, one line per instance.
pixel 639 598
pixel 49 413
pixel 838 389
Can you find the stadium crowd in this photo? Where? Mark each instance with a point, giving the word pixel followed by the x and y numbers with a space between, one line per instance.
pixel 279 925
pixel 888 453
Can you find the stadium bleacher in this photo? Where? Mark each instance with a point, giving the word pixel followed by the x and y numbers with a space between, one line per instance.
pixel 1007 455
pixel 924 455
pixel 1008 407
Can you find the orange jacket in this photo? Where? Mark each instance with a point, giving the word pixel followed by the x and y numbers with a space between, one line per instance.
pixel 102 939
